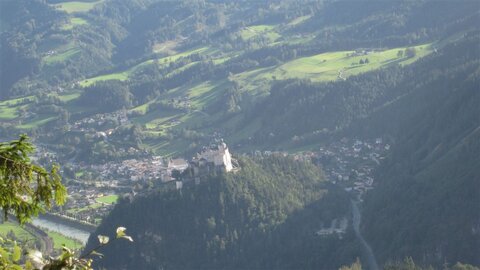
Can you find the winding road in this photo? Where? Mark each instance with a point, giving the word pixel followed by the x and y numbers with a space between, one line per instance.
pixel 372 262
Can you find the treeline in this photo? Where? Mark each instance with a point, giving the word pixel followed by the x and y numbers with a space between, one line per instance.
pixel 249 219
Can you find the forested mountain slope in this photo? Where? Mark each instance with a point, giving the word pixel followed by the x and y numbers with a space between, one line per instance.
pixel 427 204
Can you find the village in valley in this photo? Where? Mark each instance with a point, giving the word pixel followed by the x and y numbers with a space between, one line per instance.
pixel 96 187
pixel 93 197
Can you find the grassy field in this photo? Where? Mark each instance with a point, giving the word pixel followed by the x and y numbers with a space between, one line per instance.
pixel 158 119
pixel 260 30
pixel 142 109
pixel 330 66
pixel 75 21
pixel 91 206
pixel 19 232
pixel 124 75
pixel 59 240
pixel 76 6
pixel 67 97
pixel 109 199
pixel 61 56
pixel 37 122
pixel 8 112
pixel 167 47
pixel 121 76
pixel 299 20
pixel 9 108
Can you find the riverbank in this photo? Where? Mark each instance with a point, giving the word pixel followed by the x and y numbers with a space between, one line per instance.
pixel 70 230
pixel 69 222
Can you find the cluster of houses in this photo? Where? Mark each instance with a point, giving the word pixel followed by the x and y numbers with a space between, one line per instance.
pixel 338 227
pixel 158 170
pixel 360 52
pixel 131 169
pixel 83 204
pixel 350 163
pixel 119 117
pixel 180 103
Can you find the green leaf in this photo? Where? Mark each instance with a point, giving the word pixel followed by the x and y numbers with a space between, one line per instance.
pixel 17 253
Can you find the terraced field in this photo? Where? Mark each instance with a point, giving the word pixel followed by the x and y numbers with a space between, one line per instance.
pixel 61 54
pixel 266 31
pixel 9 109
pixel 162 62
pixel 121 76
pixel 37 121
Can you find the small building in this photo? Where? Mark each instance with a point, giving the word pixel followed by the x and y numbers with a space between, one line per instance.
pixel 178 164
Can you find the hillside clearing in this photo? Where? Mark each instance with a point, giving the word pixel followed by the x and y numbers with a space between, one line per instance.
pixel 61 54
pixel 162 62
pixel 253 31
pixel 73 22
pixel 77 6
pixel 331 66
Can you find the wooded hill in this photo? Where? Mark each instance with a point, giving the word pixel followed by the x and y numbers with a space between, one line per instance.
pixel 255 218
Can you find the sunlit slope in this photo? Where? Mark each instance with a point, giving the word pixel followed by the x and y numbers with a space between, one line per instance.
pixel 333 66
pixel 77 6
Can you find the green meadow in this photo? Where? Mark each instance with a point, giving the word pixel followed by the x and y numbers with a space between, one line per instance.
pixel 37 121
pixel 77 6
pixel 121 76
pixel 73 22
pixel 8 112
pixel 20 233
pixel 9 109
pixel 267 31
pixel 124 75
pixel 108 199
pixel 61 54
pixel 330 66
pixel 59 240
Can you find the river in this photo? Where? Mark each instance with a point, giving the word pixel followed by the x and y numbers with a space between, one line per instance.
pixel 372 262
pixel 66 230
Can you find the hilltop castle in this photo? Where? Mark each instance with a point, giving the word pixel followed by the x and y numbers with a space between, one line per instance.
pixel 219 156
